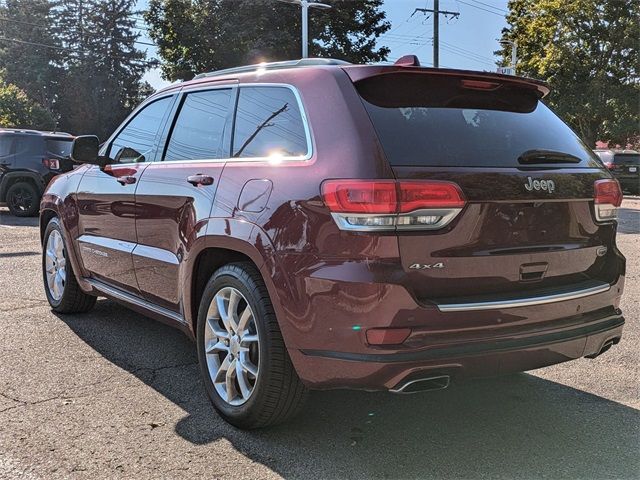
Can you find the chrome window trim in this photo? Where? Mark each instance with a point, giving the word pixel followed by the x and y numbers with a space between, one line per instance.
pixel 447 214
pixel 525 301
pixel 274 161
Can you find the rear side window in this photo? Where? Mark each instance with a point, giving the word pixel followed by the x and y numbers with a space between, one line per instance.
pixel 431 124
pixel 199 129
pixel 6 143
pixel 137 141
pixel 269 124
pixel 61 148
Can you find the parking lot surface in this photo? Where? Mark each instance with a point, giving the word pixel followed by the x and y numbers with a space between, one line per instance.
pixel 112 394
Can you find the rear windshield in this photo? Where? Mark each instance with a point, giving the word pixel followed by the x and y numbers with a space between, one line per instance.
pixel 61 148
pixel 422 123
pixel 626 159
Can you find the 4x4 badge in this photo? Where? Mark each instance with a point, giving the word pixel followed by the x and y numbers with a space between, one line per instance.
pixel 546 185
pixel 423 266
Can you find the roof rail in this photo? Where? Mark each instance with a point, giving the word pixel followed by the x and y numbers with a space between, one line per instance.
pixel 303 62
pixel 29 131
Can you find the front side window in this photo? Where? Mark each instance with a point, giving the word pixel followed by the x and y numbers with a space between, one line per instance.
pixel 200 126
pixel 269 124
pixel 136 143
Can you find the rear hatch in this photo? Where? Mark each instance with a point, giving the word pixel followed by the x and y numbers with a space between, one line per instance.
pixel 624 165
pixel 528 223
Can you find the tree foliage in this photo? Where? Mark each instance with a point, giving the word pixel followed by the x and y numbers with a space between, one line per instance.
pixel 76 58
pixel 102 67
pixel 17 110
pixel 203 35
pixel 588 51
pixel 29 67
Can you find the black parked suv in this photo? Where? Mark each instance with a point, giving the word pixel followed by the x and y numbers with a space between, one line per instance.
pixel 29 159
pixel 625 167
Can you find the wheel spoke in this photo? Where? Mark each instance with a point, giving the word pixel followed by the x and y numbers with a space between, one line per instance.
pixel 229 383
pixel 224 314
pixel 243 381
pixel 232 309
pixel 248 338
pixel 246 364
pixel 216 347
pixel 222 370
pixel 247 315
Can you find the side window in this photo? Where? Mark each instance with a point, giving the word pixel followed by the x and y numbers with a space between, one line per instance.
pixel 137 141
pixel 199 128
pixel 6 143
pixel 268 123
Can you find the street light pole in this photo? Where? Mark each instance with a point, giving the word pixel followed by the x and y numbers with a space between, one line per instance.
pixel 305 28
pixel 305 6
pixel 514 53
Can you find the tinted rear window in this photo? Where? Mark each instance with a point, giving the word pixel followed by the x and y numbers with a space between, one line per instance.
pixel 626 158
pixel 61 148
pixel 432 124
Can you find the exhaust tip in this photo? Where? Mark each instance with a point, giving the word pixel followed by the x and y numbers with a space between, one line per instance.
pixel 436 382
pixel 605 346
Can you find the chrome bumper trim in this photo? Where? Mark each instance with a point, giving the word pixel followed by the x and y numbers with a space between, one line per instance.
pixel 523 302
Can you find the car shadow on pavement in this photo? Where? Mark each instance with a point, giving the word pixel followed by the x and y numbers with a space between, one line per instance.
pixel 6 219
pixel 514 427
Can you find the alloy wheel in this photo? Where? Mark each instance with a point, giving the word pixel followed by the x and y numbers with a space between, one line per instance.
pixel 21 200
pixel 232 346
pixel 55 265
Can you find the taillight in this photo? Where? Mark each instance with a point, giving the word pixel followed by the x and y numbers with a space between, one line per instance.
pixel 52 163
pixel 369 205
pixel 607 197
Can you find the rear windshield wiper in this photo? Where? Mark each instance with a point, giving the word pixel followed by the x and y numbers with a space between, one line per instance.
pixel 547 156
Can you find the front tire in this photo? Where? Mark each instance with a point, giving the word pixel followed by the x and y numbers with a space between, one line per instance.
pixel 247 371
pixel 23 199
pixel 60 284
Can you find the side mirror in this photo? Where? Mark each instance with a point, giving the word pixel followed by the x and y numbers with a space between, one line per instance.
pixel 85 150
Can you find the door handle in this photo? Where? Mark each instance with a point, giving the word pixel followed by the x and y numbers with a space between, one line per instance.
pixel 200 179
pixel 126 180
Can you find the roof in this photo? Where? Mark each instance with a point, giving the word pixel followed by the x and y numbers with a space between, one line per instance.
pixel 26 131
pixel 360 72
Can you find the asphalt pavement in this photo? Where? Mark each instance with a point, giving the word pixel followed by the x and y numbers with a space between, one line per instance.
pixel 112 394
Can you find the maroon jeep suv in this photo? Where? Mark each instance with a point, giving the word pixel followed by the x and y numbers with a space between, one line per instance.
pixel 315 224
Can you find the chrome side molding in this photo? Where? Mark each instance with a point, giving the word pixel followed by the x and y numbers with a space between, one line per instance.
pixel 524 301
pixel 132 299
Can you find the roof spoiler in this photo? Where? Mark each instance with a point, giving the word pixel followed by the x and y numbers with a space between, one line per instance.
pixel 472 79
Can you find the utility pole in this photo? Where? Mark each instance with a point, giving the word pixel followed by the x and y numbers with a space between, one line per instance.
pixel 436 26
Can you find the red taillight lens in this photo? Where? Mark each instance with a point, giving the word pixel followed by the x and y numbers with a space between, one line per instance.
pixel 429 194
pixel 607 197
pixel 368 205
pixel 609 165
pixel 360 196
pixel 607 192
pixel 51 163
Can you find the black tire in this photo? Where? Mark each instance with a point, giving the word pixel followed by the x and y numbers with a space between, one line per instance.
pixel 23 199
pixel 73 299
pixel 278 393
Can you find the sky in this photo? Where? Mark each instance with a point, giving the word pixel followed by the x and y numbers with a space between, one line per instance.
pixel 467 41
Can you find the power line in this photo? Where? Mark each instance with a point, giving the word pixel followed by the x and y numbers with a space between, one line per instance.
pixel 11 20
pixel 469 52
pixel 490 6
pixel 436 26
pixel 481 8
pixel 37 44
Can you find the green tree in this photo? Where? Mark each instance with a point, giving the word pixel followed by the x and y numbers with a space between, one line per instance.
pixel 102 82
pixel 202 35
pixel 588 52
pixel 17 110
pixel 29 50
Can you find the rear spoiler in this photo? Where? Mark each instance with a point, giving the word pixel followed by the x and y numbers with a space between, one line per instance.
pixel 358 73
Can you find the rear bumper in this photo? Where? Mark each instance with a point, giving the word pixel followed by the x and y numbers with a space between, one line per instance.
pixel 324 369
